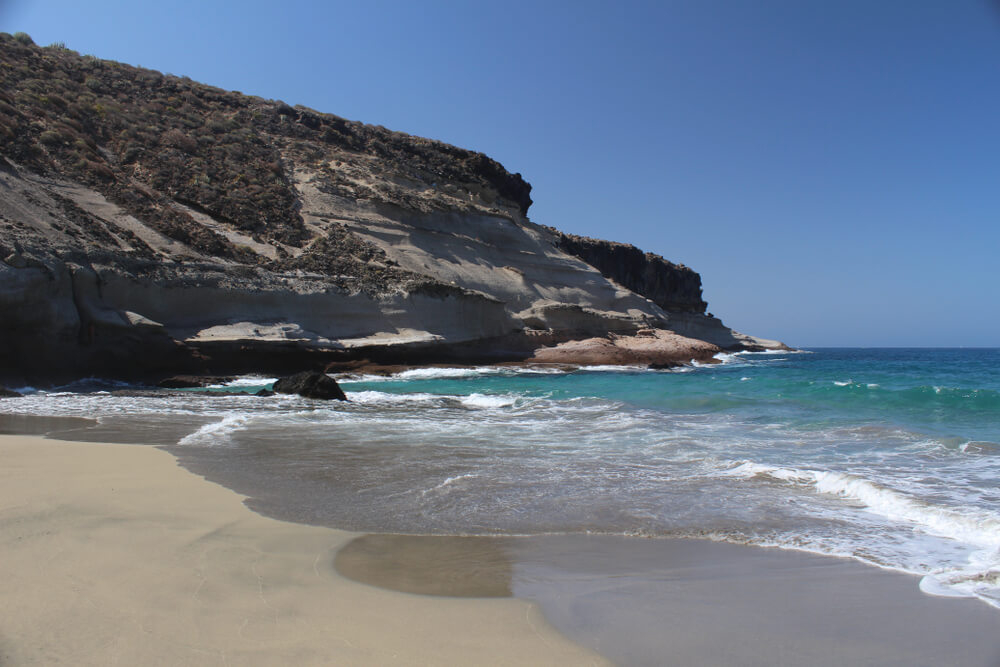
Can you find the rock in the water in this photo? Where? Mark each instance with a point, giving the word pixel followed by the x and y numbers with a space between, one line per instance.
pixel 7 393
pixel 192 381
pixel 311 385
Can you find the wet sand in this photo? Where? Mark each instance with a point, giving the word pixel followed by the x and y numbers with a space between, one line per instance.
pixel 695 602
pixel 113 554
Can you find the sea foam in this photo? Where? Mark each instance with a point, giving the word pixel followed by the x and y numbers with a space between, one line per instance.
pixel 245 381
pixel 216 433
pixel 979 529
pixel 489 401
pixel 372 397
pixel 966 525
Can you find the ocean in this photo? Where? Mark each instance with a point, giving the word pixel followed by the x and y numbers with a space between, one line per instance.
pixel 886 456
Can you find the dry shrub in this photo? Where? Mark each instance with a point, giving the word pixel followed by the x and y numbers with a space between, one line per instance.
pixel 179 140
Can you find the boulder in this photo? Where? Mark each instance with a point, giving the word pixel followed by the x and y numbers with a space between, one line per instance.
pixel 310 384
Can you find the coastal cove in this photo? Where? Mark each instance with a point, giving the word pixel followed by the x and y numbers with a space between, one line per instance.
pixel 577 492
pixel 283 387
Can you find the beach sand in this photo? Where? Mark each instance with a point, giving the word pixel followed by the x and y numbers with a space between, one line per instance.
pixel 112 554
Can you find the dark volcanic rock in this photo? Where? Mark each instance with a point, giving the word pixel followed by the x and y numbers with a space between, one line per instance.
pixel 673 287
pixel 311 385
pixel 7 393
pixel 191 381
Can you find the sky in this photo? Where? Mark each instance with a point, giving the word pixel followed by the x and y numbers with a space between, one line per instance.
pixel 831 169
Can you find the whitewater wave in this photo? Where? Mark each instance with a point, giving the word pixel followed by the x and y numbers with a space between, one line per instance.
pixel 245 381
pixel 979 580
pixel 216 433
pixel 490 401
pixel 452 373
pixel 475 401
pixel 372 397
pixel 968 525
pixel 614 368
pixel 979 529
pixel 442 373
pixel 742 358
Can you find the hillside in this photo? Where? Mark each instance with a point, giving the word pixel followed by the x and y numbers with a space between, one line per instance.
pixel 150 224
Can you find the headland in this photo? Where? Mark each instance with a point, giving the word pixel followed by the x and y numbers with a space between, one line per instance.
pixel 151 225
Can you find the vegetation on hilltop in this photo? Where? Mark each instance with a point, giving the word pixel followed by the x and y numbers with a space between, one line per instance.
pixel 170 151
pixel 149 141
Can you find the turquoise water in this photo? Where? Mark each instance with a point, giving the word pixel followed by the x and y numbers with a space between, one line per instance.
pixel 948 392
pixel 888 456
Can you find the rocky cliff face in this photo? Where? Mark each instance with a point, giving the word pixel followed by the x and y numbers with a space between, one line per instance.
pixel 152 224
pixel 673 287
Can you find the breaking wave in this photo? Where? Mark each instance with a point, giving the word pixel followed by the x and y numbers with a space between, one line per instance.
pixel 217 433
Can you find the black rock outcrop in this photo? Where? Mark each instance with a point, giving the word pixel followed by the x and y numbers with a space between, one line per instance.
pixel 310 384
pixel 673 287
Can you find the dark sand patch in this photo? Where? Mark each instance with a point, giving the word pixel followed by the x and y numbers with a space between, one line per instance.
pixel 428 565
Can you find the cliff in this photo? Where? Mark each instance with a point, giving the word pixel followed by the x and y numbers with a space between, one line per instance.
pixel 151 224
pixel 673 287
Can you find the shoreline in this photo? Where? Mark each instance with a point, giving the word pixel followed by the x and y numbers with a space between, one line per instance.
pixel 115 553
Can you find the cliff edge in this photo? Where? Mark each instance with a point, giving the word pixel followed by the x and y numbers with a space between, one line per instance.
pixel 150 224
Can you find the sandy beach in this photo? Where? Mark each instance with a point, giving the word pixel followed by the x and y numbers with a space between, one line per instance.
pixel 112 554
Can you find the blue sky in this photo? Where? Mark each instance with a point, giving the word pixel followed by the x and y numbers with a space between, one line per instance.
pixel 832 169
